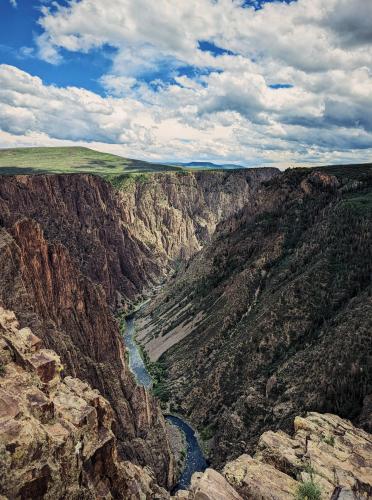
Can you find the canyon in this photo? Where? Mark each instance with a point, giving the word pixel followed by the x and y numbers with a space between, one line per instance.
pixel 273 317
pixel 236 324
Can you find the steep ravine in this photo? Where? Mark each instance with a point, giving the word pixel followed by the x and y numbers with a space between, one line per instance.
pixel 273 317
pixel 73 249
pixel 194 460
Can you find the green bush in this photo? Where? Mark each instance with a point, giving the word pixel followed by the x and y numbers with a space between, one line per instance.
pixel 329 440
pixel 308 490
pixel 2 370
pixel 208 432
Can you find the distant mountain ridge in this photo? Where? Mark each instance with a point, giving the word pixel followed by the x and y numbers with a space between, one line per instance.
pixel 207 165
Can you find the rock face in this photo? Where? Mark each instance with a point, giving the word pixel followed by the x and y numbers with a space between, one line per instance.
pixel 41 282
pixel 174 215
pixel 272 318
pixel 56 438
pixel 124 239
pixel 326 454
pixel 73 248
pixel 325 450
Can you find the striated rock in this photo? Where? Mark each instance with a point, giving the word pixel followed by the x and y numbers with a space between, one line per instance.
pixel 175 214
pixel 56 438
pixel 273 317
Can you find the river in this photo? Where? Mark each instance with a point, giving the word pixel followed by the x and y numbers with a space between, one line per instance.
pixel 194 460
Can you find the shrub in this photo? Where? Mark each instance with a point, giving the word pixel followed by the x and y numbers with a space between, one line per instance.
pixel 308 490
pixel 207 432
pixel 329 440
pixel 2 370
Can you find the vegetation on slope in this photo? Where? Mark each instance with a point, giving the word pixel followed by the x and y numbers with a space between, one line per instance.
pixel 68 160
pixel 284 292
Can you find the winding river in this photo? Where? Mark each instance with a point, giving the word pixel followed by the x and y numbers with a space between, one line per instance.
pixel 194 461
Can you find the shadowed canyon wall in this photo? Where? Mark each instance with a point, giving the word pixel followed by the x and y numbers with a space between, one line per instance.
pixel 273 317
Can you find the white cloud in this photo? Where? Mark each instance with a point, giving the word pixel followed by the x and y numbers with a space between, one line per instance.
pixel 223 107
pixel 13 3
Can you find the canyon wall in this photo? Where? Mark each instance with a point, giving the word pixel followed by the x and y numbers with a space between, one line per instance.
pixel 56 441
pixel 272 318
pixel 56 438
pixel 174 215
pixel 73 249
pixel 42 284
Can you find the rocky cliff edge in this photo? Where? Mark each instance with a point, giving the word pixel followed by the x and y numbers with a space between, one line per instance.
pixel 326 458
pixel 56 438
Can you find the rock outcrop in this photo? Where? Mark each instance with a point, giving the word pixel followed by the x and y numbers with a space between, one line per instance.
pixel 326 456
pixel 209 485
pixel 56 438
pixel 272 318
pixel 325 450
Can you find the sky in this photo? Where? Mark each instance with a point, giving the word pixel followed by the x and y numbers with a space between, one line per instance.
pixel 252 82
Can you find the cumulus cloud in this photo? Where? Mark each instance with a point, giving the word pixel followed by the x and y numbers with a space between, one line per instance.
pixel 175 123
pixel 301 34
pixel 289 81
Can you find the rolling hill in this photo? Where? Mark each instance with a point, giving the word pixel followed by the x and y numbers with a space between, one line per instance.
pixel 67 160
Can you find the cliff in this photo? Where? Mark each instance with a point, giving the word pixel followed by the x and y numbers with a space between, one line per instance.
pixel 325 458
pixel 174 215
pixel 42 284
pixel 56 438
pixel 272 318
pixel 125 238
pixel 73 249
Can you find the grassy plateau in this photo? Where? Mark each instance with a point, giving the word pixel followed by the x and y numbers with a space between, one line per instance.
pixel 72 160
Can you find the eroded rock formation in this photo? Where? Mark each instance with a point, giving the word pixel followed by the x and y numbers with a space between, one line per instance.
pixel 73 249
pixel 325 454
pixel 42 283
pixel 56 438
pixel 273 317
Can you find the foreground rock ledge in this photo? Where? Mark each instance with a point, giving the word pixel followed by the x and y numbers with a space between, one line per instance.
pixel 56 438
pixel 325 450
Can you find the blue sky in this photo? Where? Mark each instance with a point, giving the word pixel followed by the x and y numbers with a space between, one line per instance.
pixel 19 29
pixel 226 80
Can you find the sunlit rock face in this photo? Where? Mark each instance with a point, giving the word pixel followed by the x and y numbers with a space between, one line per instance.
pixel 56 438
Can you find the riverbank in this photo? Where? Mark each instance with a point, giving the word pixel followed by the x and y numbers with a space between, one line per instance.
pixel 185 441
pixel 178 444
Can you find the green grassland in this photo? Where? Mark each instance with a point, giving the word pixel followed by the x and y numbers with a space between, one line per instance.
pixel 68 160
